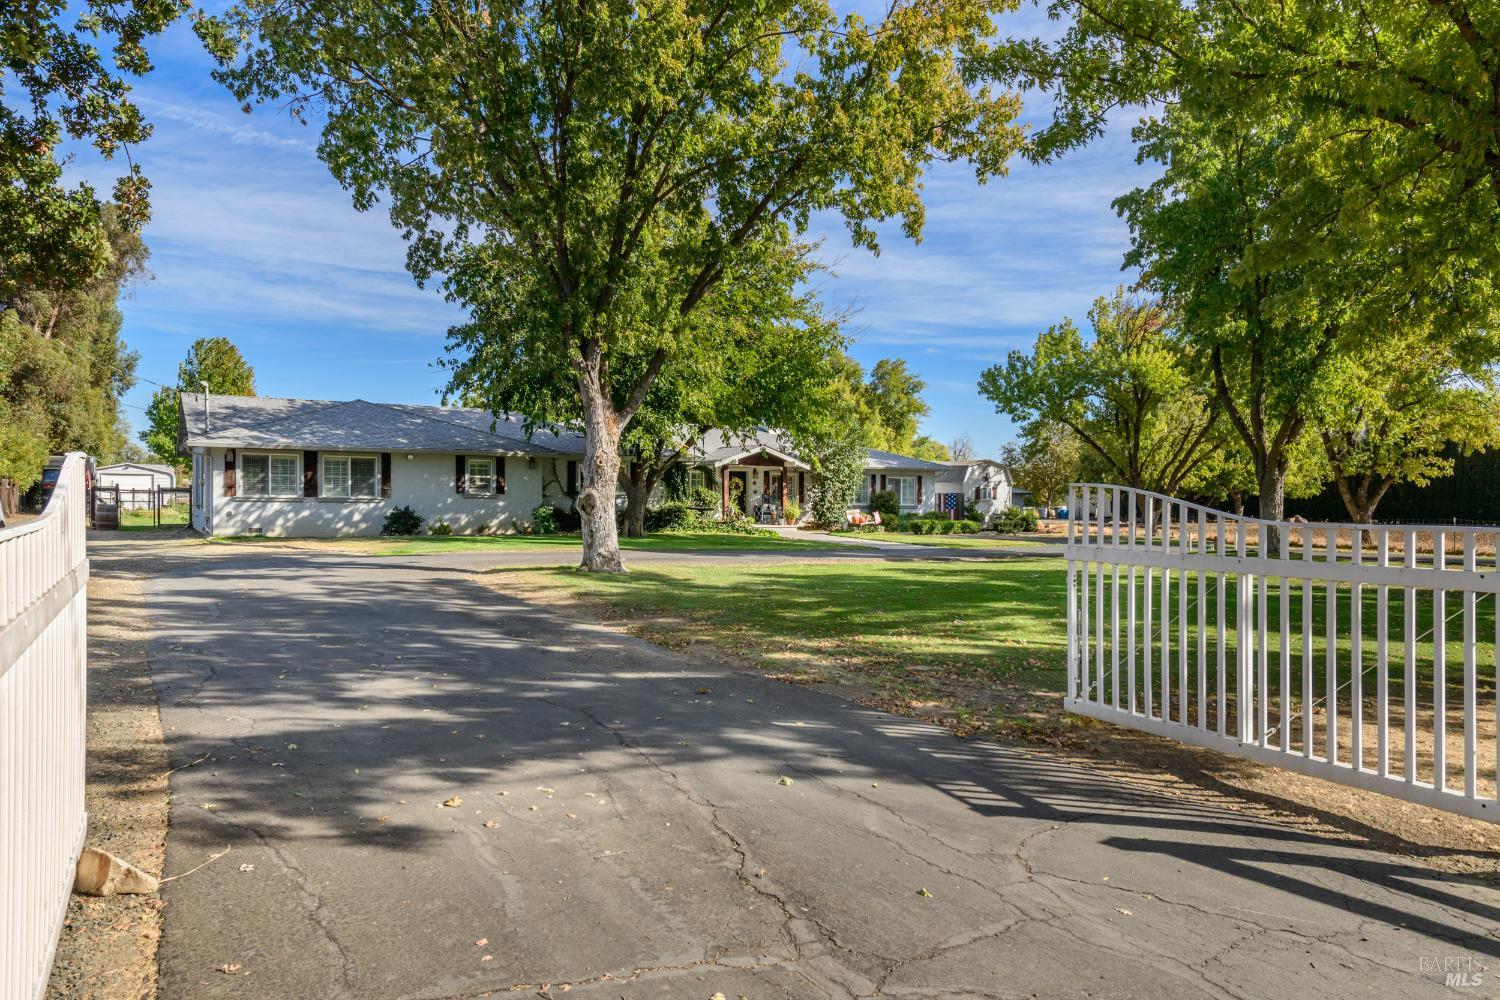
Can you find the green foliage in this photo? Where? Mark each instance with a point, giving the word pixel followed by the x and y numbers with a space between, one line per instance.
pixel 62 89
pixel 674 482
pixel 543 520
pixel 1387 417
pixel 675 515
pixel 1135 394
pixel 441 528
pixel 1266 340
pixel 402 521
pixel 213 361
pixel 586 179
pixel 884 409
pixel 1015 520
pixel 932 523
pixel 1045 462
pixel 793 512
pixel 1392 152
pixel 63 367
pixel 886 502
pixel 704 498
pixel 837 467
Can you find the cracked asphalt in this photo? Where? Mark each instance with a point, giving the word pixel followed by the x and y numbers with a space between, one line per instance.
pixel 628 822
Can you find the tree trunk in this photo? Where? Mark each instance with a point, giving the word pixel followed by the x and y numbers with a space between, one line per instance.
pixel 1272 499
pixel 1237 501
pixel 637 484
pixel 1361 494
pixel 1271 506
pixel 599 479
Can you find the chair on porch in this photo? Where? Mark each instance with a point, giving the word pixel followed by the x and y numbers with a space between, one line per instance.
pixel 767 513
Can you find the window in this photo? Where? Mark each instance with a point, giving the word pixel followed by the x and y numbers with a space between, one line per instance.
pixel 697 480
pixel 350 476
pixel 273 475
pixel 863 496
pixel 906 489
pixel 480 477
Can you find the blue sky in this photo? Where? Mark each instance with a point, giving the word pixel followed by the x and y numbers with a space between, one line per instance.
pixel 251 239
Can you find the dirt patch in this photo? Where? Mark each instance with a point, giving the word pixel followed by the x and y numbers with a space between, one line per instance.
pixel 107 949
pixel 1033 720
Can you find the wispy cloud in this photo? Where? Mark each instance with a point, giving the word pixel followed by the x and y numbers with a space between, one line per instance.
pixel 252 239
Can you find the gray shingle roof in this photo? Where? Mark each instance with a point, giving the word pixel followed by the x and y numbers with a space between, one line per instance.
pixel 716 448
pixel 269 422
pixel 890 460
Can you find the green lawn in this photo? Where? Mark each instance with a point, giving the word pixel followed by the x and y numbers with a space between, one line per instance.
pixel 910 631
pixel 981 541
pixel 986 639
pixel 562 544
pixel 172 516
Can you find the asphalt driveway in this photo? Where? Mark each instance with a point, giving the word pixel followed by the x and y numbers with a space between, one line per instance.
pixel 626 822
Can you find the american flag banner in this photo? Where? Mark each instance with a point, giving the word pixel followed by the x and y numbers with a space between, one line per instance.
pixel 950 504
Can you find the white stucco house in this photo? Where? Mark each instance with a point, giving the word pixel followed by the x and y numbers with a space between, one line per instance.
pixel 137 481
pixel 751 470
pixel 321 468
pixel 984 485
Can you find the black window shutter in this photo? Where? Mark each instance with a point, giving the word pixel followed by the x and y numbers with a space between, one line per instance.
pixel 572 490
pixel 229 474
pixel 309 473
pixel 460 472
pixel 500 474
pixel 385 474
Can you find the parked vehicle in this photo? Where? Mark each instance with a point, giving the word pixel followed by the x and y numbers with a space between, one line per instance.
pixel 36 498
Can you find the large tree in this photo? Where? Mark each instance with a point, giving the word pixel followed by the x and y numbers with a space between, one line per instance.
pixel 1267 332
pixel 1386 112
pixel 57 87
pixel 1134 394
pixel 594 172
pixel 63 366
pixel 1400 415
pixel 213 363
pixel 1044 462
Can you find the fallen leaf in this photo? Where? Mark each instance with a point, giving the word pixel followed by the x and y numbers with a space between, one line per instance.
pixel 572 815
pixel 247 868
pixel 229 968
pixel 209 805
pixel 481 942
pixel 706 691
pixel 291 746
pixel 718 996
pixel 1124 911
pixel 453 803
pixel 924 893
pixel 490 824
pixel 487 958
pixel 783 780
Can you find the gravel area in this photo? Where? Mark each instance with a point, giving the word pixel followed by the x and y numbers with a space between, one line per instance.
pixel 107 949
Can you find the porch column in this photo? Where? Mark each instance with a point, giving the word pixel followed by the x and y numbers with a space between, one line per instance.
pixel 724 492
pixel 784 473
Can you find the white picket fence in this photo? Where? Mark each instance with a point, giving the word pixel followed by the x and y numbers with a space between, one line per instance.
pixel 1366 654
pixel 43 658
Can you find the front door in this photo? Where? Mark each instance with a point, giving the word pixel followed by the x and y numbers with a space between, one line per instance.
pixel 744 491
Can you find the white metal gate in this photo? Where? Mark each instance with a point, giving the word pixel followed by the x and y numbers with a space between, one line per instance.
pixel 43 655
pixel 1366 654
